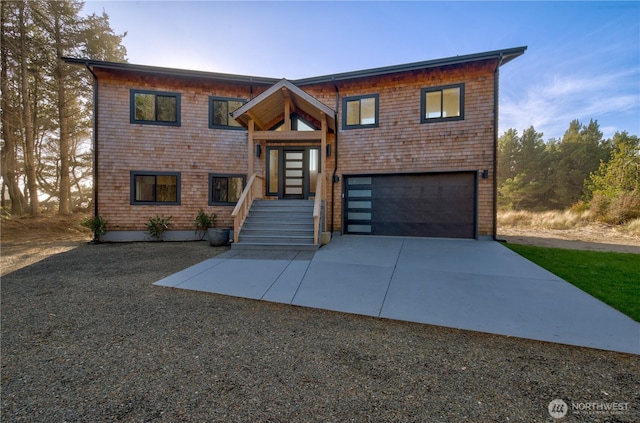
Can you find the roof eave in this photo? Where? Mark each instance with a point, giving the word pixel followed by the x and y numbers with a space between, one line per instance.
pixel 155 70
pixel 506 55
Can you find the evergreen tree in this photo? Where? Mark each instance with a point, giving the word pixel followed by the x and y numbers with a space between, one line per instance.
pixel 578 154
pixel 615 187
pixel 47 149
pixel 522 170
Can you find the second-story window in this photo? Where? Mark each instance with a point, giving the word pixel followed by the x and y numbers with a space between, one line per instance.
pixel 155 108
pixel 360 111
pixel 219 110
pixel 442 103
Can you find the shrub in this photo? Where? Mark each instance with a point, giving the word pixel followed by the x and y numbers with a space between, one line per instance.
pixel 616 208
pixel 203 221
pixel 156 226
pixel 580 207
pixel 97 225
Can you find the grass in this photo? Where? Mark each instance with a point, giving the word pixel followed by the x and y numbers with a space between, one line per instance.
pixel 553 219
pixel 611 277
pixel 558 219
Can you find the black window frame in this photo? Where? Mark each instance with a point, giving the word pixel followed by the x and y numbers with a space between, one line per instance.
pixel 441 88
pixel 213 98
pixel 132 183
pixel 346 100
pixel 132 107
pixel 295 120
pixel 224 175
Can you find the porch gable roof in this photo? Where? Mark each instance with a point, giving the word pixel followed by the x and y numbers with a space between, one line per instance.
pixel 266 108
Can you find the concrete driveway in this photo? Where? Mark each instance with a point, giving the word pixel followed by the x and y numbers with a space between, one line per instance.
pixel 465 284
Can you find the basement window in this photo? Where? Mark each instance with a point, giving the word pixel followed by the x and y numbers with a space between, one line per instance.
pixel 219 112
pixel 155 188
pixel 360 112
pixel 440 104
pixel 225 189
pixel 155 108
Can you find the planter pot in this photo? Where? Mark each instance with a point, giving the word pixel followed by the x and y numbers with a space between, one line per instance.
pixel 218 237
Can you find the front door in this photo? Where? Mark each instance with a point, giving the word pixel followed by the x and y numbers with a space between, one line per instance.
pixel 294 174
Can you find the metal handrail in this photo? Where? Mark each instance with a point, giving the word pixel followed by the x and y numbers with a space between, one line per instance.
pixel 252 191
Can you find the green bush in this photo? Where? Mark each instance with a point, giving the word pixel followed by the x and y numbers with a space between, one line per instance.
pixel 97 225
pixel 203 221
pixel 156 226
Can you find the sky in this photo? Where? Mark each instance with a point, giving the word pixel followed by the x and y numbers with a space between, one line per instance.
pixel 582 60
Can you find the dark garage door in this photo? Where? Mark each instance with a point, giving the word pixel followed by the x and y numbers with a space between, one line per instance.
pixel 428 205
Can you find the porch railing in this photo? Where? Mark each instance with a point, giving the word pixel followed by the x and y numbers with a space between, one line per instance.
pixel 252 191
pixel 317 207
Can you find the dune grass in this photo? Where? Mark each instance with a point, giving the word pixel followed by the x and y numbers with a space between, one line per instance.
pixel 611 277
pixel 559 220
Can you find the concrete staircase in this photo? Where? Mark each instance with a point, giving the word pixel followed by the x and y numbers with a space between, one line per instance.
pixel 278 224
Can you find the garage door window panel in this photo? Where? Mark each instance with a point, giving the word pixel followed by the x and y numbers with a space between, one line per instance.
pixel 359 205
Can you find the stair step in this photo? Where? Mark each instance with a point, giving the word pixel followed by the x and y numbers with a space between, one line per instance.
pixel 276 203
pixel 282 216
pixel 279 224
pixel 270 231
pixel 260 246
pixel 283 239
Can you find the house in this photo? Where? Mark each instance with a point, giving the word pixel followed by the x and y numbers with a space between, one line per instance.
pixel 406 150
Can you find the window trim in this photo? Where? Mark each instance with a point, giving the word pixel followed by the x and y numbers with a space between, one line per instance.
pixel 345 100
pixel 132 184
pixel 213 98
pixel 224 175
pixel 423 103
pixel 132 107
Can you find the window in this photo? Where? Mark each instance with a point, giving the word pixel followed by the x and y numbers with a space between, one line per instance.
pixel 442 103
pixel 360 112
pixel 225 189
pixel 297 124
pixel 155 188
pixel 154 107
pixel 219 109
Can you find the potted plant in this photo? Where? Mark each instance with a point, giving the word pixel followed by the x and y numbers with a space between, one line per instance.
pixel 218 236
pixel 203 222
pixel 97 225
pixel 156 226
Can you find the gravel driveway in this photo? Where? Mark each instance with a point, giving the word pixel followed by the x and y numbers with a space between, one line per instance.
pixel 86 337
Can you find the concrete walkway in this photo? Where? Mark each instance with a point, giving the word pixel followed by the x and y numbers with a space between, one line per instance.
pixel 466 284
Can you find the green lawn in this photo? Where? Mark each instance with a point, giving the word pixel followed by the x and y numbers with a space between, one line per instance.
pixel 614 278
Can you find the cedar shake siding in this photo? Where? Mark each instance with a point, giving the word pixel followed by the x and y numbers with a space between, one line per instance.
pixel 402 141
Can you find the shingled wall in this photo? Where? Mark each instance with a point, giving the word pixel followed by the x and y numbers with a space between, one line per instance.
pixel 400 143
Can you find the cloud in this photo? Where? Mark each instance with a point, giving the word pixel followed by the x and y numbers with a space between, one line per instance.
pixel 552 102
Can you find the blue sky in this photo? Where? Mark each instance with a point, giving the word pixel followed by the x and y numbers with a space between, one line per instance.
pixel 582 61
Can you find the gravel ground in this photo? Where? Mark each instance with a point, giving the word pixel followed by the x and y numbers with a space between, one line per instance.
pixel 86 337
